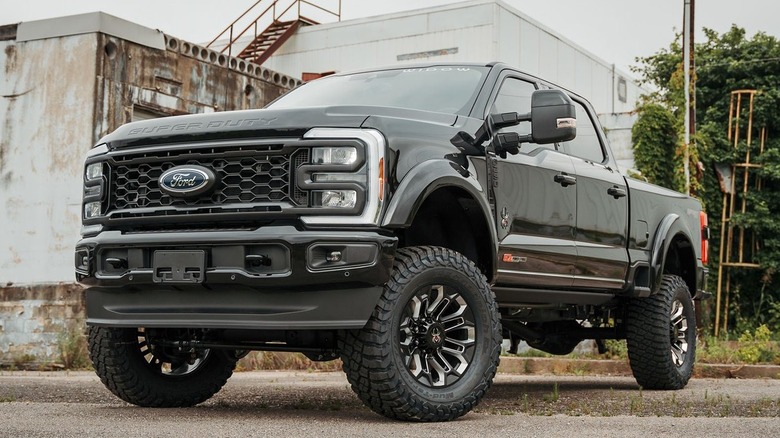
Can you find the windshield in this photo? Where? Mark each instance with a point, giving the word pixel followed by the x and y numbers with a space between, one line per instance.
pixel 446 89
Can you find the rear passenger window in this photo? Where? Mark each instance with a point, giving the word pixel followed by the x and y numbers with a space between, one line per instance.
pixel 586 144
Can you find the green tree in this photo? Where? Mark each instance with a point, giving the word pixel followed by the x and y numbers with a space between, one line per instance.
pixel 655 141
pixel 724 63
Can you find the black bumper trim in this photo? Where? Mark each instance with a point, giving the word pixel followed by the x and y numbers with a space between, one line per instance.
pixel 231 307
pixel 293 273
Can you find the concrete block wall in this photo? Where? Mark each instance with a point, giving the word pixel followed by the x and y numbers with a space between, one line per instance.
pixel 34 320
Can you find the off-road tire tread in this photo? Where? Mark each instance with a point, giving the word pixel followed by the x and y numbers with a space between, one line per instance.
pixel 125 374
pixel 368 363
pixel 647 338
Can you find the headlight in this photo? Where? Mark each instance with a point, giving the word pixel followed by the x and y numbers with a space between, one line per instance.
pixel 94 181
pixel 335 198
pixel 91 210
pixel 346 181
pixel 94 171
pixel 334 155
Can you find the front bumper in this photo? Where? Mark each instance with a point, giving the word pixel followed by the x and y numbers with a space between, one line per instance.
pixel 293 286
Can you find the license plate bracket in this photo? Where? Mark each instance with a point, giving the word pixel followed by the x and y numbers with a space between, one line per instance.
pixel 186 267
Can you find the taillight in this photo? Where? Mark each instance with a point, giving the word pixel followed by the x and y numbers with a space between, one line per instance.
pixel 705 236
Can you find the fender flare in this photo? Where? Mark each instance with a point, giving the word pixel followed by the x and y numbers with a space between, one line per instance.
pixel 426 178
pixel 669 227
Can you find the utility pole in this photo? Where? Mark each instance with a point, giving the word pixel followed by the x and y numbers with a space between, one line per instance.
pixel 688 32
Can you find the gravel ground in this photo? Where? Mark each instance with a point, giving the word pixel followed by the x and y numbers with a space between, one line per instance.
pixel 321 404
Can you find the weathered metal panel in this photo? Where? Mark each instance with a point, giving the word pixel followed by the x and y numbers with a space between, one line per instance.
pixel 47 98
pixel 184 79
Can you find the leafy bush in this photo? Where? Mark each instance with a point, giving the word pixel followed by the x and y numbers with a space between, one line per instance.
pixel 757 347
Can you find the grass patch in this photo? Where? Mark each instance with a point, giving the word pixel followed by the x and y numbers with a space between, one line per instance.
pixel 72 345
pixel 554 396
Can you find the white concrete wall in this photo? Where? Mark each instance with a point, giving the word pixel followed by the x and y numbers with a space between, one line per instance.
pixel 378 41
pixel 618 130
pixel 47 90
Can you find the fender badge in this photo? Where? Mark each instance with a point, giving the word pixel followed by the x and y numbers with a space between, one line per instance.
pixel 509 258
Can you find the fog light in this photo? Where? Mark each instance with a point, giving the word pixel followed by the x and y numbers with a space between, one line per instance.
pixel 94 171
pixel 91 210
pixel 333 256
pixel 335 198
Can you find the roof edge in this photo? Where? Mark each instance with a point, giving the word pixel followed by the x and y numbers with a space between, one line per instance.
pixel 92 22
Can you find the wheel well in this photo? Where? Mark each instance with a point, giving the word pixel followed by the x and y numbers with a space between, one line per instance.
pixel 450 217
pixel 681 260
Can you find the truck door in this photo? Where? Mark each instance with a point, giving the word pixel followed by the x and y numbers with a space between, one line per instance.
pixel 602 208
pixel 535 204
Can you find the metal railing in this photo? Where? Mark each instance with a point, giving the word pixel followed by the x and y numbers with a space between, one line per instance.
pixel 270 14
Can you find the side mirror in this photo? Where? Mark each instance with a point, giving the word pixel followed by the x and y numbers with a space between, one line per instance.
pixel 553 117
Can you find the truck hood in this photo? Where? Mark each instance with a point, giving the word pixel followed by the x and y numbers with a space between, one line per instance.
pixel 266 123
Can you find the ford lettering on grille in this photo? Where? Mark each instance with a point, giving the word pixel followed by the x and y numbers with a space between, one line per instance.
pixel 187 181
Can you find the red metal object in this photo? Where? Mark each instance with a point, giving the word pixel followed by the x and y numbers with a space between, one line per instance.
pixel 277 27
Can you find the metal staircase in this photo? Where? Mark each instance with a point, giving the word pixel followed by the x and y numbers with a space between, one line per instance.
pixel 278 27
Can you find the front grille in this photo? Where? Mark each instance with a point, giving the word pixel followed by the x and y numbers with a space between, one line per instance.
pixel 244 176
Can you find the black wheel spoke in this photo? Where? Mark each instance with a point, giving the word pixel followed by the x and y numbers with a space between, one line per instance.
pixel 678 333
pixel 436 334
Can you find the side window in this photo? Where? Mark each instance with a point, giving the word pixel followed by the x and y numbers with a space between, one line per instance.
pixel 586 144
pixel 515 96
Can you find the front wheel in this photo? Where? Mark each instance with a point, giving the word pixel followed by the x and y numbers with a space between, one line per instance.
pixel 430 350
pixel 661 336
pixel 139 371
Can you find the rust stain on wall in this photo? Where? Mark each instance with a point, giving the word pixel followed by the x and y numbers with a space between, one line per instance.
pixel 184 79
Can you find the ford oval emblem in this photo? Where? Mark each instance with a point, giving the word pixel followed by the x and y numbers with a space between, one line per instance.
pixel 186 181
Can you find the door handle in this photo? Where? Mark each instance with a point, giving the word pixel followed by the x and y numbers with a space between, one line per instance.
pixel 616 192
pixel 564 179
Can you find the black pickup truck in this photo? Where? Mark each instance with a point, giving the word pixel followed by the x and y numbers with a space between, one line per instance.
pixel 404 220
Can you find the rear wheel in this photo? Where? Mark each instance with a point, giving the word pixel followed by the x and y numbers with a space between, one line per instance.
pixel 430 350
pixel 141 372
pixel 661 336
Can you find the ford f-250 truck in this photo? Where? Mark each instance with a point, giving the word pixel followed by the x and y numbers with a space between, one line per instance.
pixel 404 220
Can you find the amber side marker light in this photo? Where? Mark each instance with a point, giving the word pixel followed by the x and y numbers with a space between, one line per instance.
pixel 381 179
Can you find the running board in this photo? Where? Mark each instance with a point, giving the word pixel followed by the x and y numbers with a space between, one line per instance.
pixel 520 296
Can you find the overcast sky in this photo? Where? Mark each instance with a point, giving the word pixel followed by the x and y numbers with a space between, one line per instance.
pixel 614 30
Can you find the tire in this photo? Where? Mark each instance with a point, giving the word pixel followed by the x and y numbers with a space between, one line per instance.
pixel 133 372
pixel 661 336
pixel 409 367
